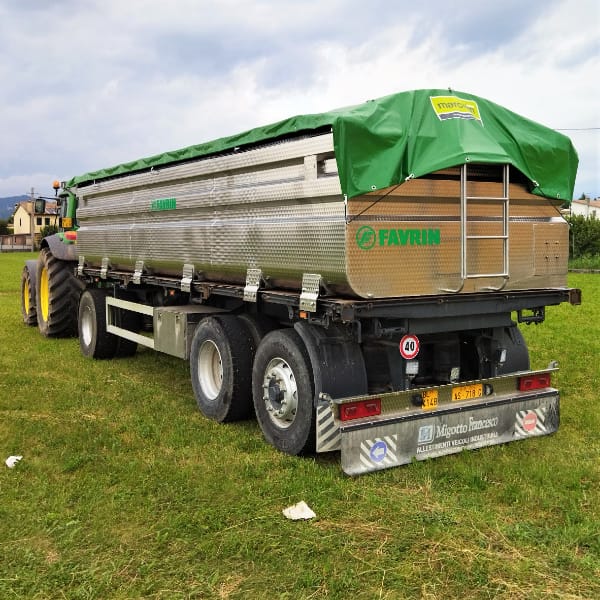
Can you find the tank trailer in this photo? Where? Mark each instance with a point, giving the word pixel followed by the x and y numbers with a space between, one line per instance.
pixel 354 279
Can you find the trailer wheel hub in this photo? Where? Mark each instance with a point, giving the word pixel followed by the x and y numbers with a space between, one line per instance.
pixel 280 393
pixel 210 369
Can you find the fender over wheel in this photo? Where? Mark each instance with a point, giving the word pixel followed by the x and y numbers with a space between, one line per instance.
pixel 221 368
pixel 283 392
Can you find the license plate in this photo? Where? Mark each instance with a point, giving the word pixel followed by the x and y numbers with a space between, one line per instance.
pixel 430 399
pixel 467 392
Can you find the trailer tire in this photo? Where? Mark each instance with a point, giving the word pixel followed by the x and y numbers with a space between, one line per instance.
pixel 517 355
pixel 283 392
pixel 221 368
pixel 57 291
pixel 28 300
pixel 259 326
pixel 94 340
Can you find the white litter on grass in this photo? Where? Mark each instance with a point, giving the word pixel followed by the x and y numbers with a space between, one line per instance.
pixel 298 512
pixel 11 461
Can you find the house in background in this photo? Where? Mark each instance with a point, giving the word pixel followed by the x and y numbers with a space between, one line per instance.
pixel 586 207
pixel 25 214
pixel 24 220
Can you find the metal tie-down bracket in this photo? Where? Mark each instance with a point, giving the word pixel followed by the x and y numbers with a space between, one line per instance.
pixel 253 281
pixel 104 268
pixel 311 283
pixel 138 271
pixel 186 280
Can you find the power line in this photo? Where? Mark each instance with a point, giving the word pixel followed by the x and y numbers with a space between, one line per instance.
pixel 578 129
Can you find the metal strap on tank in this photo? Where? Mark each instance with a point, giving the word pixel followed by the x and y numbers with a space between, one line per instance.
pixel 81 265
pixel 310 291
pixel 138 271
pixel 253 279
pixel 186 280
pixel 104 268
pixel 464 233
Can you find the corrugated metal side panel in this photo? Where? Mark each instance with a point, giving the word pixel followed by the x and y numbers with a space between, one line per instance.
pixel 277 208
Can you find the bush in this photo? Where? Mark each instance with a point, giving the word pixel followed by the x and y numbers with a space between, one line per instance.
pixel 584 236
pixel 48 230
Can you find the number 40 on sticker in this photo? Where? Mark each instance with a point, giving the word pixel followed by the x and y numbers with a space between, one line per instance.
pixel 409 346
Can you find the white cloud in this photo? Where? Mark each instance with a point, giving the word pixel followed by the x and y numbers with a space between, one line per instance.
pixel 92 83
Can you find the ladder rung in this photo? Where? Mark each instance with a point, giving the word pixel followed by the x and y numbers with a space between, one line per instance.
pixel 487 237
pixel 500 198
pixel 484 275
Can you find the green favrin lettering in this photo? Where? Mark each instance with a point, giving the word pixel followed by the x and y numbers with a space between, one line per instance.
pixel 367 238
pixel 163 204
pixel 409 237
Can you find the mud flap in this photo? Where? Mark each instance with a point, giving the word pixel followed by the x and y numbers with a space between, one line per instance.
pixel 369 447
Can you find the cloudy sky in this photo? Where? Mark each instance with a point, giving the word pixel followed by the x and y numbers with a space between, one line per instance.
pixel 87 84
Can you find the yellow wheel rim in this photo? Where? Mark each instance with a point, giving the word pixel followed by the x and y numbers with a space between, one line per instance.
pixel 26 297
pixel 44 294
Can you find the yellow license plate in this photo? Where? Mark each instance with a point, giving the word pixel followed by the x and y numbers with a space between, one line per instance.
pixel 467 392
pixel 430 399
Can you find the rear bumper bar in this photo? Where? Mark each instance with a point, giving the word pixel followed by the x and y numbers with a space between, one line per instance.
pixel 403 433
pixel 447 431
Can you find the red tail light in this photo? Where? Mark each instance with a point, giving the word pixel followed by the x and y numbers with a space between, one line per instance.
pixel 534 382
pixel 360 409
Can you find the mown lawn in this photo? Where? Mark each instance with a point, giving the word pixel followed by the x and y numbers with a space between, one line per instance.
pixel 126 491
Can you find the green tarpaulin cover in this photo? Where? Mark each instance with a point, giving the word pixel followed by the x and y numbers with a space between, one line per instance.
pixel 383 142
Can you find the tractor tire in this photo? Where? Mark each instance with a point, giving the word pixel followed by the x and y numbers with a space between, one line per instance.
pixel 28 302
pixel 57 296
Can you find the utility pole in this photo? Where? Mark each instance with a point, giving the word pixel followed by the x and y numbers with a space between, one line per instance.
pixel 32 228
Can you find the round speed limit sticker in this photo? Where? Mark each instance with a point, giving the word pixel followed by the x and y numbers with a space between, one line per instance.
pixel 409 347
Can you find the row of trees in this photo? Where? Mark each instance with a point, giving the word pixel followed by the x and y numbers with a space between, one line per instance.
pixel 584 236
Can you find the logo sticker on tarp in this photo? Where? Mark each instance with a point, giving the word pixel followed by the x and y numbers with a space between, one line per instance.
pixel 453 107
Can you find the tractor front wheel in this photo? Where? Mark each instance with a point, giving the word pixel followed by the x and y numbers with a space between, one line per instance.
pixel 57 296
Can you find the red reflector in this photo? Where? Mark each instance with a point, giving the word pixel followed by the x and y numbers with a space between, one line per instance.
pixel 534 382
pixel 71 235
pixel 358 410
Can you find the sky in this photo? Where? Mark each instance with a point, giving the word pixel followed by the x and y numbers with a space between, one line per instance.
pixel 87 84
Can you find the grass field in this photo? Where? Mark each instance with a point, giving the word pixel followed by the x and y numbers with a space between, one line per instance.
pixel 126 491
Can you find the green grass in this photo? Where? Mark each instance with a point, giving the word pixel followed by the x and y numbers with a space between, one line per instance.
pixel 126 491
pixel 589 261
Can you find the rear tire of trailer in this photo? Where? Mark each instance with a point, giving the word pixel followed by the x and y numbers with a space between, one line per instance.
pixel 221 368
pixel 259 326
pixel 517 353
pixel 57 291
pixel 94 340
pixel 28 300
pixel 283 392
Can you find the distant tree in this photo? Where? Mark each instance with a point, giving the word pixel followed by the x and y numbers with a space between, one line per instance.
pixel 584 236
pixel 3 226
pixel 48 230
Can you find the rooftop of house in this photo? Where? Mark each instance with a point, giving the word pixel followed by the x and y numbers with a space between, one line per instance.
pixel 28 206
